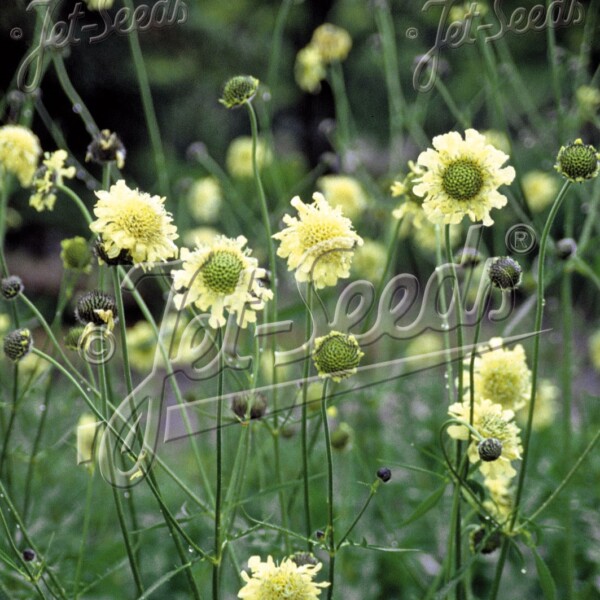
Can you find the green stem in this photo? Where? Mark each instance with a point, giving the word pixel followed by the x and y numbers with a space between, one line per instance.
pixel 148 106
pixel 534 373
pixel 78 202
pixel 11 421
pixel 84 534
pixel 330 526
pixel 219 465
pixel 372 492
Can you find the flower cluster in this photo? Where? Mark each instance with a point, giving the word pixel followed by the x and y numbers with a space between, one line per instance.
pixel 329 44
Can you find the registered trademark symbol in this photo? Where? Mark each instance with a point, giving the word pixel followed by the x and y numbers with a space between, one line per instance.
pixel 16 33
pixel 521 239
pixel 412 33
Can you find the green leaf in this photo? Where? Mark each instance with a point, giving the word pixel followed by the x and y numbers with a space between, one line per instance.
pixel 425 506
pixel 545 576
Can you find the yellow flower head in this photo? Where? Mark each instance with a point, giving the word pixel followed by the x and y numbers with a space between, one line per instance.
pixel 490 420
pixel 221 276
pixel 343 192
pixel 594 347
pixel 286 581
pixel 205 199
pixel 540 189
pixel 332 42
pixel 502 375
pixel 336 355
pixel 319 243
pixel 309 69
pixel 500 503
pixel 19 152
pixel 136 223
pixel 461 178
pixel 546 406
pixel 47 177
pixel 369 260
pixel 239 156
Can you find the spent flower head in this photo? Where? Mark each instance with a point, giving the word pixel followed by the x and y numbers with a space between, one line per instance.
pixel 238 90
pixel 106 147
pixel 336 355
pixel 11 287
pixel 19 152
pixel 96 307
pixel 221 276
pixel 17 344
pixel 319 243
pixel 461 178
pixel 505 273
pixel 47 178
pixel 578 162
pixel 136 223
pixel 283 581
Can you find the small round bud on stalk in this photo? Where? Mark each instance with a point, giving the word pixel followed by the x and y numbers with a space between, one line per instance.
pixel 76 254
pixel 106 147
pixel 17 344
pixel 28 555
pixel 11 287
pixel 319 534
pixel 73 338
pixel 342 436
pixel 239 90
pixel 384 474
pixel 566 248
pixel 490 449
pixel 578 162
pixel 249 406
pixel 477 544
pixel 505 273
pixel 92 306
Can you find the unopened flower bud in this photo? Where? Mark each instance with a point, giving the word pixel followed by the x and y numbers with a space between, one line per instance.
pixel 490 449
pixel 249 405
pixel 505 273
pixel 106 147
pixel 17 344
pixel 28 555
pixel 566 248
pixel 76 254
pixel 239 90
pixel 384 474
pixel 578 162
pixel 11 287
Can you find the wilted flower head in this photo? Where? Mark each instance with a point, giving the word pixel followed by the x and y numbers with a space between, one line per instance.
pixel 461 178
pixel 239 156
pixel 336 355
pixel 505 273
pixel 11 287
pixel 318 244
pixel 578 162
pixel 106 147
pixel 96 307
pixel 221 276
pixel 19 152
pixel 136 223
pixel 17 344
pixel 343 192
pixel 47 177
pixel 287 580
pixel 238 90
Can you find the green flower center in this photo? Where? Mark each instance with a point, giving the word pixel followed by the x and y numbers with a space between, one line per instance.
pixel 578 161
pixel 462 180
pixel 337 353
pixel 221 272
pixel 238 90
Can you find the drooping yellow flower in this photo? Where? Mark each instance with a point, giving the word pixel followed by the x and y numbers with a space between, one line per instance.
pixel 19 152
pixel 344 192
pixel 285 581
pixel 502 375
pixel 461 178
pixel 47 177
pixel 221 276
pixel 540 189
pixel 239 156
pixel 332 42
pixel 490 420
pixel 319 243
pixel 205 199
pixel 134 222
pixel 309 69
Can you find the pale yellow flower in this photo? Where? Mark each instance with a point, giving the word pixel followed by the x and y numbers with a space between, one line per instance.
pixel 319 243
pixel 500 503
pixel 369 260
pixel 239 156
pixel 546 406
pixel 461 178
pixel 205 199
pixel 134 222
pixel 221 276
pixel 343 192
pixel 87 434
pixel 309 69
pixel 540 189
pixel 490 420
pixel 501 375
pixel 332 42
pixel 425 351
pixel 286 581
pixel 19 152
pixel 46 179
